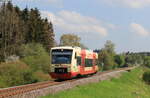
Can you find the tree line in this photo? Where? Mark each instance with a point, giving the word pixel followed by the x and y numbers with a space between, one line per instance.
pixel 19 27
pixel 109 59
pixel 25 41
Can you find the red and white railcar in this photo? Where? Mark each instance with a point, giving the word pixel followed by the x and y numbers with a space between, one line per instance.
pixel 69 62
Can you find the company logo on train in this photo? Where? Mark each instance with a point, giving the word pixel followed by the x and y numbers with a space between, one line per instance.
pixel 68 62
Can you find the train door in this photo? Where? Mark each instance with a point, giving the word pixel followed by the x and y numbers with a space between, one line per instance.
pixel 82 68
pixel 95 58
pixel 93 65
pixel 94 61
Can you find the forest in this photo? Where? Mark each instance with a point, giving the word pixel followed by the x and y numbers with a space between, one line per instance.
pixel 26 39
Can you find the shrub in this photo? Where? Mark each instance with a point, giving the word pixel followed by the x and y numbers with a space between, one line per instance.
pixel 120 60
pixel 15 73
pixel 36 57
pixel 41 76
pixel 38 60
pixel 31 49
pixel 147 61
pixel 146 77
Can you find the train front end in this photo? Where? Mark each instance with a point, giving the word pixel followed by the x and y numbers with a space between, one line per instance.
pixel 61 63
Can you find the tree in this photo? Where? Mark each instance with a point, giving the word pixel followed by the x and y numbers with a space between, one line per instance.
pixel 38 30
pixel 106 60
pixel 106 56
pixel 48 40
pixel 71 40
pixel 11 30
pixel 110 47
pixel 132 59
pixel 34 26
pixel 22 27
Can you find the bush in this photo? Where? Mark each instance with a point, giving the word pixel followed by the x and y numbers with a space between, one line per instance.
pixel 33 67
pixel 36 57
pixel 41 76
pixel 38 60
pixel 146 77
pixel 32 49
pixel 120 60
pixel 147 61
pixel 15 73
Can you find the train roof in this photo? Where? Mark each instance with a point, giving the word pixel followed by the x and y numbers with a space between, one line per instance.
pixel 66 47
pixel 71 47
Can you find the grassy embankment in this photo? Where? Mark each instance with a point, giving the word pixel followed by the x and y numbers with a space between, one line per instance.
pixel 129 85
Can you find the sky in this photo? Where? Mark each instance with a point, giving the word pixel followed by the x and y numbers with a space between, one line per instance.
pixel 125 22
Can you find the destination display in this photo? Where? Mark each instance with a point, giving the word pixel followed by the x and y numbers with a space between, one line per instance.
pixel 61 53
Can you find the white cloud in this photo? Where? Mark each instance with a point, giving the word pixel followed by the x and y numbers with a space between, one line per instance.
pixel 44 2
pixel 139 29
pixel 40 0
pixel 129 3
pixel 73 22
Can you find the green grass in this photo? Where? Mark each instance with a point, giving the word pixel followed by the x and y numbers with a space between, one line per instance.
pixel 129 85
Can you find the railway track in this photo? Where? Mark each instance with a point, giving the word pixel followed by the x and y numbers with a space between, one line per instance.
pixel 20 90
pixel 7 92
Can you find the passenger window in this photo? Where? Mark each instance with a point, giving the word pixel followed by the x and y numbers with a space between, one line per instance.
pixel 78 61
pixel 88 62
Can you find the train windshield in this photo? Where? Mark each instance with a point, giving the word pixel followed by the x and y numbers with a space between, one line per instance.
pixel 61 56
